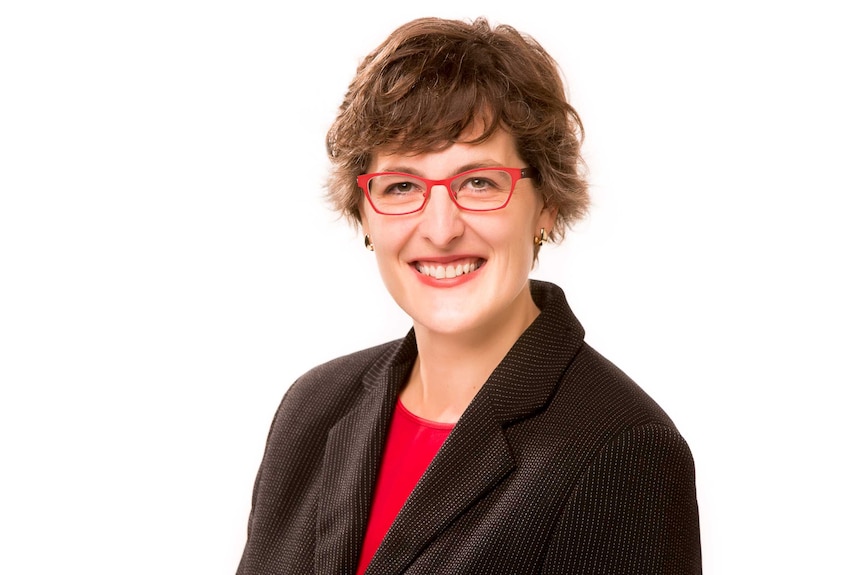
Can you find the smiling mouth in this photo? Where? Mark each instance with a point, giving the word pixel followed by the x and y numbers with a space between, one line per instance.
pixel 450 270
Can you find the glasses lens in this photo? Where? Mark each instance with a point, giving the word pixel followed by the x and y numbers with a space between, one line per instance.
pixel 396 193
pixel 482 190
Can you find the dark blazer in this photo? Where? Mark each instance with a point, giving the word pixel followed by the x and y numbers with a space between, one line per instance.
pixel 561 464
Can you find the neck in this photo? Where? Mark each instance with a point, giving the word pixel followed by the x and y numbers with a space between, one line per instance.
pixel 452 367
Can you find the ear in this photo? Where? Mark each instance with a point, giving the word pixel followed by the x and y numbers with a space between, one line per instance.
pixel 548 218
pixel 361 220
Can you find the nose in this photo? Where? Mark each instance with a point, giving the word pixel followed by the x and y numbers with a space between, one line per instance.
pixel 441 220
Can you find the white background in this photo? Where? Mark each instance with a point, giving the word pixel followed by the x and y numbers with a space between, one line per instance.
pixel 168 267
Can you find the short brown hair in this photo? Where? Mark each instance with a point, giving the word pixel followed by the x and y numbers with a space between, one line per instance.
pixel 428 83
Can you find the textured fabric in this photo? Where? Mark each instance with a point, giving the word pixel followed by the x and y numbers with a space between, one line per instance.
pixel 560 464
pixel 411 444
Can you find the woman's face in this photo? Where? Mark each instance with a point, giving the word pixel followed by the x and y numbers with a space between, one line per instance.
pixel 410 249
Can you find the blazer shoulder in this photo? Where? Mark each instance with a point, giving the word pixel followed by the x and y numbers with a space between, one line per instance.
pixel 344 374
pixel 608 389
pixel 319 399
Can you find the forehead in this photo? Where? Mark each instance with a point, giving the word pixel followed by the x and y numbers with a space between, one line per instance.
pixel 497 150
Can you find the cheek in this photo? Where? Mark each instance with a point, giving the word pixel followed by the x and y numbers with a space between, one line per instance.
pixel 524 227
pixel 389 237
pixel 514 238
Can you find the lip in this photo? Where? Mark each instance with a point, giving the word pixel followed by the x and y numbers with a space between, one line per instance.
pixel 452 266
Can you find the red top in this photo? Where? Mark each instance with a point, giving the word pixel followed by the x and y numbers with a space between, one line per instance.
pixel 410 446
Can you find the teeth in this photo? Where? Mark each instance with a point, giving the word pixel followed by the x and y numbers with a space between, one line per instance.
pixel 446 272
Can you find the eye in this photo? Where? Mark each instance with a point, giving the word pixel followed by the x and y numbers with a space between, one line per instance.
pixel 400 188
pixel 395 185
pixel 478 184
pixel 485 182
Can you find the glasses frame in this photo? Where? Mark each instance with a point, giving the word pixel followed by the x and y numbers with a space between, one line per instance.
pixel 517 174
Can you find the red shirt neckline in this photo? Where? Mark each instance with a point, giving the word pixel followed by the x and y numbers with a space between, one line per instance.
pixel 421 420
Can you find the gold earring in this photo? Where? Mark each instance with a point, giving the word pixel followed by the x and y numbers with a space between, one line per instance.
pixel 368 244
pixel 541 238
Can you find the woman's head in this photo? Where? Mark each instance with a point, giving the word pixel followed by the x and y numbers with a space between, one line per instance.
pixel 434 80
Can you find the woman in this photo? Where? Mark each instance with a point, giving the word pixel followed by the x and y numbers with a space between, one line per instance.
pixel 491 439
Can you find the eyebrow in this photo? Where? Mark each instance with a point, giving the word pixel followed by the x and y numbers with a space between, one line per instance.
pixel 461 169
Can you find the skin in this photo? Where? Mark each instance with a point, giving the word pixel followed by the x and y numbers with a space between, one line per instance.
pixel 464 325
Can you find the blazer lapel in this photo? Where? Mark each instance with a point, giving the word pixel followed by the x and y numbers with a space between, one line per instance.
pixel 476 455
pixel 351 460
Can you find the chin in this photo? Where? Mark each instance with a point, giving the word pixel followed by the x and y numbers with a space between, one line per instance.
pixel 451 319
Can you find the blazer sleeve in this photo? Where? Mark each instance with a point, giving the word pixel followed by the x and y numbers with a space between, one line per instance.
pixel 242 567
pixel 633 512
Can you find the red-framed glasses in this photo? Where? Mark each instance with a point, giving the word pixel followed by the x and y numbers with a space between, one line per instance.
pixel 478 190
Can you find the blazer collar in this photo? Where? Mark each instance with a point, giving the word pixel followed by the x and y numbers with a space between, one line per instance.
pixel 474 458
